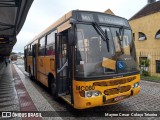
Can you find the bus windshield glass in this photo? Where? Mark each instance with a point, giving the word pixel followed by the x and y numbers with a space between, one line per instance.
pixel 98 57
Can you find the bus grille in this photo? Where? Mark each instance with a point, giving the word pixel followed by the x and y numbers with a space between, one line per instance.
pixel 117 90
pixel 115 82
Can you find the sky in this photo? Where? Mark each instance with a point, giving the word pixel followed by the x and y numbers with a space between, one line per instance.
pixel 45 12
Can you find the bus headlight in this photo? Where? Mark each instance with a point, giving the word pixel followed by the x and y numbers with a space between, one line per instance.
pixel 96 93
pixel 93 93
pixel 135 85
pixel 88 94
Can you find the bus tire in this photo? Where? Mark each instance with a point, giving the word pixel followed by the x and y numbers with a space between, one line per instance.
pixel 50 78
pixel 53 89
pixel 30 74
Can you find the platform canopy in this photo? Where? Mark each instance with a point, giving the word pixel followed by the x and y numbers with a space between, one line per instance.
pixel 12 17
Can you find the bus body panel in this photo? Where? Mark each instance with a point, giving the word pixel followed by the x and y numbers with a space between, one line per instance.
pixel 46 66
pixel 49 63
pixel 103 85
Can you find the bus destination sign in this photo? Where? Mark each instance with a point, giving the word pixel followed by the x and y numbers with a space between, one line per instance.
pixel 87 17
pixel 111 20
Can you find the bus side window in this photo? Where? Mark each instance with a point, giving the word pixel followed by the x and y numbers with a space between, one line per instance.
pixel 42 46
pixel 25 51
pixel 28 50
pixel 30 53
pixel 50 48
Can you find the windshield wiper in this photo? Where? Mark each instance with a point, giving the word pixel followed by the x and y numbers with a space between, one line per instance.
pixel 119 40
pixel 122 32
pixel 99 30
pixel 107 39
pixel 103 34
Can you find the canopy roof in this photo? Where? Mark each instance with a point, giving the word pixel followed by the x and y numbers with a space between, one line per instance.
pixel 12 17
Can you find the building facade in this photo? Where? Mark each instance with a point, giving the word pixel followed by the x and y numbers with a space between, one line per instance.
pixel 146 33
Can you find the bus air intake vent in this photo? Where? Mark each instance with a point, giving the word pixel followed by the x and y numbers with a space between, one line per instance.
pixel 117 90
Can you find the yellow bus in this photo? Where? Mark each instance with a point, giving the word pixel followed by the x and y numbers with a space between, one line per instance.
pixel 86 58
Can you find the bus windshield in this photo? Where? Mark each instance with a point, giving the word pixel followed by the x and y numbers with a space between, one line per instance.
pixel 98 57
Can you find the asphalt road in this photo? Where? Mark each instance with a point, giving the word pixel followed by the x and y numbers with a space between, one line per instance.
pixel 147 100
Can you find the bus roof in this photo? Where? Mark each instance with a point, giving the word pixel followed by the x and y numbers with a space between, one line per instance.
pixel 78 18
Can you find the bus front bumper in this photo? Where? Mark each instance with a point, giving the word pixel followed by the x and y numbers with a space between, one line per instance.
pixel 105 99
pixel 113 100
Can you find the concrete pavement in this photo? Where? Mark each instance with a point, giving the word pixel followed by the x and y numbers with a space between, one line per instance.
pixel 16 98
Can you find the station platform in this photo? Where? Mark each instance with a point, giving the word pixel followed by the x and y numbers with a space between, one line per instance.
pixel 17 94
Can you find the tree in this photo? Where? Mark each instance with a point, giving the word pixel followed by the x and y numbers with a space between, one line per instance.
pixel 13 53
pixel 144 65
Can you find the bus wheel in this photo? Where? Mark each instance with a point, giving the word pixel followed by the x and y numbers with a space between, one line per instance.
pixel 30 74
pixel 53 89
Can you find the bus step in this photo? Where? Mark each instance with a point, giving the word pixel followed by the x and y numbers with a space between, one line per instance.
pixel 67 98
pixel 61 94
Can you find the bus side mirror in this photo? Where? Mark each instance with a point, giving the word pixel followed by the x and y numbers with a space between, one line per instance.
pixel 71 37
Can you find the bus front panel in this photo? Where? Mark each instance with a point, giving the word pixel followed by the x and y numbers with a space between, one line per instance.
pixel 106 71
pixel 104 92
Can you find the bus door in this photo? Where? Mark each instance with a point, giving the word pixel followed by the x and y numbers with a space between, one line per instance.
pixel 62 64
pixel 34 61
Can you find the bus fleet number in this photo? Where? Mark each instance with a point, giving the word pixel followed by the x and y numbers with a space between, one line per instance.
pixel 85 88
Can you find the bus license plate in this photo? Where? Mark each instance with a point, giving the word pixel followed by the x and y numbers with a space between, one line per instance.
pixel 118 98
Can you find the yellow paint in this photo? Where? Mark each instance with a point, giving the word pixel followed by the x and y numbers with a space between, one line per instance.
pixel 80 102
pixel 29 63
pixel 52 64
pixel 46 65
pixel 43 79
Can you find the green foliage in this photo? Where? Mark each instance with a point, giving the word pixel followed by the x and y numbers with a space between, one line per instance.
pixel 145 73
pixel 151 78
pixel 147 63
pixel 13 53
pixel 144 63
pixel 141 62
